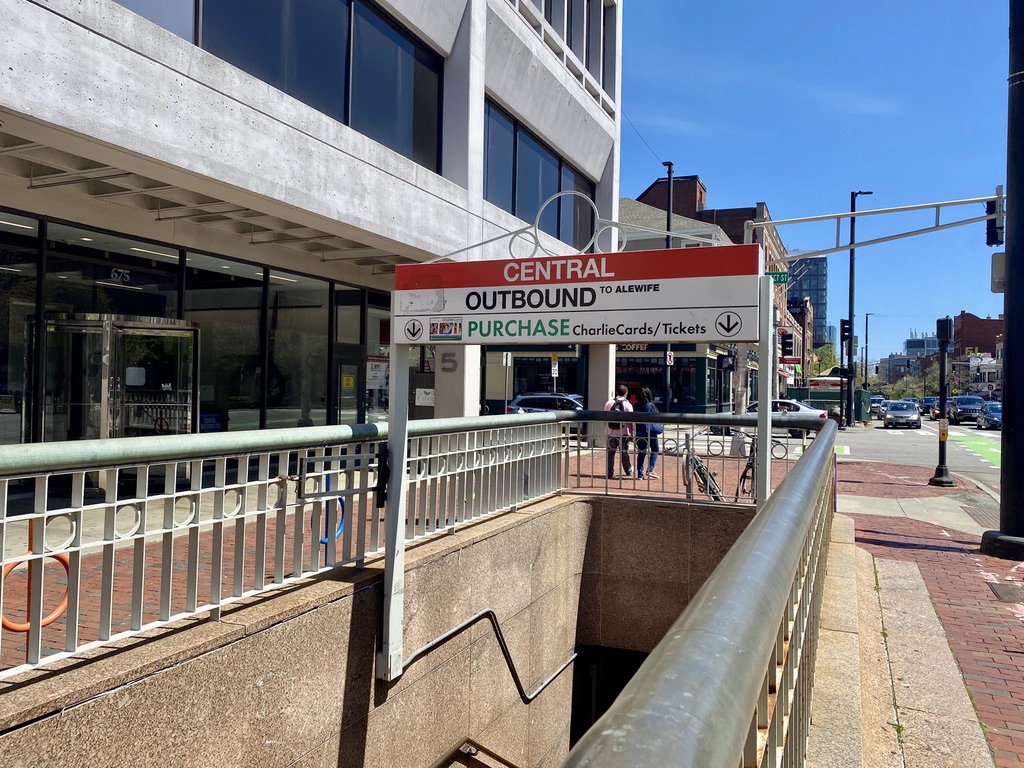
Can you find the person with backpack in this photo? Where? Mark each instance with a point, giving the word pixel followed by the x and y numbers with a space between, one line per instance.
pixel 647 437
pixel 619 433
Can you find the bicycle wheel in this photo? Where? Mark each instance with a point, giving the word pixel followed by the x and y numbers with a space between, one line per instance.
pixel 706 481
pixel 746 484
pixel 779 449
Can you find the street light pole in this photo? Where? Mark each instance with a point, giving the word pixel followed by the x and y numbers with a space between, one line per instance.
pixel 668 206
pixel 667 402
pixel 853 278
pixel 866 316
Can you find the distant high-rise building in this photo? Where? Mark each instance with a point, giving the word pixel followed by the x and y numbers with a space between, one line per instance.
pixel 809 277
pixel 923 344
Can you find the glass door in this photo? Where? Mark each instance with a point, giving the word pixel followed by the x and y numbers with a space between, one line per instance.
pixel 152 383
pixel 351 383
pixel 108 376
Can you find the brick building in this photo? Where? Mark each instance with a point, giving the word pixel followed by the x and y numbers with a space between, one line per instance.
pixel 973 335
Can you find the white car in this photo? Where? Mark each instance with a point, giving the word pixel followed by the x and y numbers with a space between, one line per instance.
pixel 792 406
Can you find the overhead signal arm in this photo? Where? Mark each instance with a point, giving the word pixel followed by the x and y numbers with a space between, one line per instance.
pixel 993 211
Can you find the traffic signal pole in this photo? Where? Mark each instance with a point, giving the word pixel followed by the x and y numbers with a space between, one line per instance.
pixel 1008 541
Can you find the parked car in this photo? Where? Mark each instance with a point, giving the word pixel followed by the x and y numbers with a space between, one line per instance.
pixel 879 413
pixel 991 416
pixel 964 408
pixel 902 413
pixel 792 406
pixel 537 402
pixel 876 404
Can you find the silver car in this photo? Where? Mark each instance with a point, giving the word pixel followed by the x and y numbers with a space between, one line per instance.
pixel 902 413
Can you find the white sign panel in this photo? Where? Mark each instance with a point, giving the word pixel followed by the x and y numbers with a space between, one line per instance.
pixel 425 397
pixel 377 372
pixel 682 294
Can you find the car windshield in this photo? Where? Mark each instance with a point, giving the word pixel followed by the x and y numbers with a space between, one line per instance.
pixel 901 406
pixel 995 407
pixel 971 401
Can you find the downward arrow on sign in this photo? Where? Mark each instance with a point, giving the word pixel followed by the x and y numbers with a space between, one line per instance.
pixel 727 325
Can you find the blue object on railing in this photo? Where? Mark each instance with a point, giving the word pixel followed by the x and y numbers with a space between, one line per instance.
pixel 327 518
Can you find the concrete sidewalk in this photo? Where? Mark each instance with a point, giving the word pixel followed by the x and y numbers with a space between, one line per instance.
pixel 921 655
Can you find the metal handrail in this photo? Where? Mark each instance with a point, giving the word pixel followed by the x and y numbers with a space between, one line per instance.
pixel 693 700
pixel 38 458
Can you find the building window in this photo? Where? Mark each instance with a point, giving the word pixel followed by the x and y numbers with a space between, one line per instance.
pixel 396 89
pixel 499 159
pixel 536 181
pixel 520 173
pixel 177 16
pixel 391 92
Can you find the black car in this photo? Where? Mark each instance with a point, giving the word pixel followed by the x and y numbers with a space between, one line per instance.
pixel 926 405
pixel 964 408
pixel 991 416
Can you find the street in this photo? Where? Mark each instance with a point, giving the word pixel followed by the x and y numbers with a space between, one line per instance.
pixel 970 452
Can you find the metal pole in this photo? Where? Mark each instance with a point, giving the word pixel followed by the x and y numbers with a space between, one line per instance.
pixel 853 280
pixel 866 316
pixel 941 476
pixel 667 402
pixel 1008 541
pixel 668 206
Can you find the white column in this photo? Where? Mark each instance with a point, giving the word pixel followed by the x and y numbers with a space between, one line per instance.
pixel 457 381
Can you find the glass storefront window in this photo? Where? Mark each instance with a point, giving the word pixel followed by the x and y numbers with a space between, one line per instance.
pixel 177 16
pixel 348 313
pixel 18 268
pixel 225 299
pixel 89 271
pixel 298 350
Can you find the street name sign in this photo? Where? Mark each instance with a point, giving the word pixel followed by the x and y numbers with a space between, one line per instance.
pixel 779 278
pixel 671 295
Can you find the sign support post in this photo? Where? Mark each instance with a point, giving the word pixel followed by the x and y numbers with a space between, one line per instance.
pixel 766 349
pixel 390 657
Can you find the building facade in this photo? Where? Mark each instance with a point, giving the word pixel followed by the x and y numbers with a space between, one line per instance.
pixel 202 203
pixel 973 335
pixel 689 198
pixel 808 278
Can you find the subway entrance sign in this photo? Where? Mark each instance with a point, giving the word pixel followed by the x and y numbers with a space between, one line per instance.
pixel 680 294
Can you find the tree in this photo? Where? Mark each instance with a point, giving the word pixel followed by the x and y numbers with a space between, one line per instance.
pixel 826 356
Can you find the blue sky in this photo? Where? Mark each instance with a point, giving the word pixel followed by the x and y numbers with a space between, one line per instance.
pixel 798 103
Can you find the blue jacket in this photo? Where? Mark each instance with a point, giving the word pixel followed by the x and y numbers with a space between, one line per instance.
pixel 641 428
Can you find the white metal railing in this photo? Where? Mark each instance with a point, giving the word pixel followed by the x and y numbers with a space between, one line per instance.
pixel 101 539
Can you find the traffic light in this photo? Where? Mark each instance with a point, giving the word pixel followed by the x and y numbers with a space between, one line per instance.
pixel 845 330
pixel 786 341
pixel 994 226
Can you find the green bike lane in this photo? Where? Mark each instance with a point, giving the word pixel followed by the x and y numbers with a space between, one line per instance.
pixel 985 447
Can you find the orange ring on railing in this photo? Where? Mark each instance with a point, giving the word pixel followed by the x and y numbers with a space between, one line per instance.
pixel 14 626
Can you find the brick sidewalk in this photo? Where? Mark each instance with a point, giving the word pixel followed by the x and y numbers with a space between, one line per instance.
pixel 985 633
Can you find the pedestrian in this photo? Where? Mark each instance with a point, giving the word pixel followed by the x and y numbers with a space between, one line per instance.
pixel 619 432
pixel 647 437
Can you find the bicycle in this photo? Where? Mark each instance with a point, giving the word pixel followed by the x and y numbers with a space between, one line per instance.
pixel 745 486
pixel 697 470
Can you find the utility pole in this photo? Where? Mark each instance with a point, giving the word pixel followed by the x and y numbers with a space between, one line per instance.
pixel 1008 541
pixel 667 404
pixel 853 280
